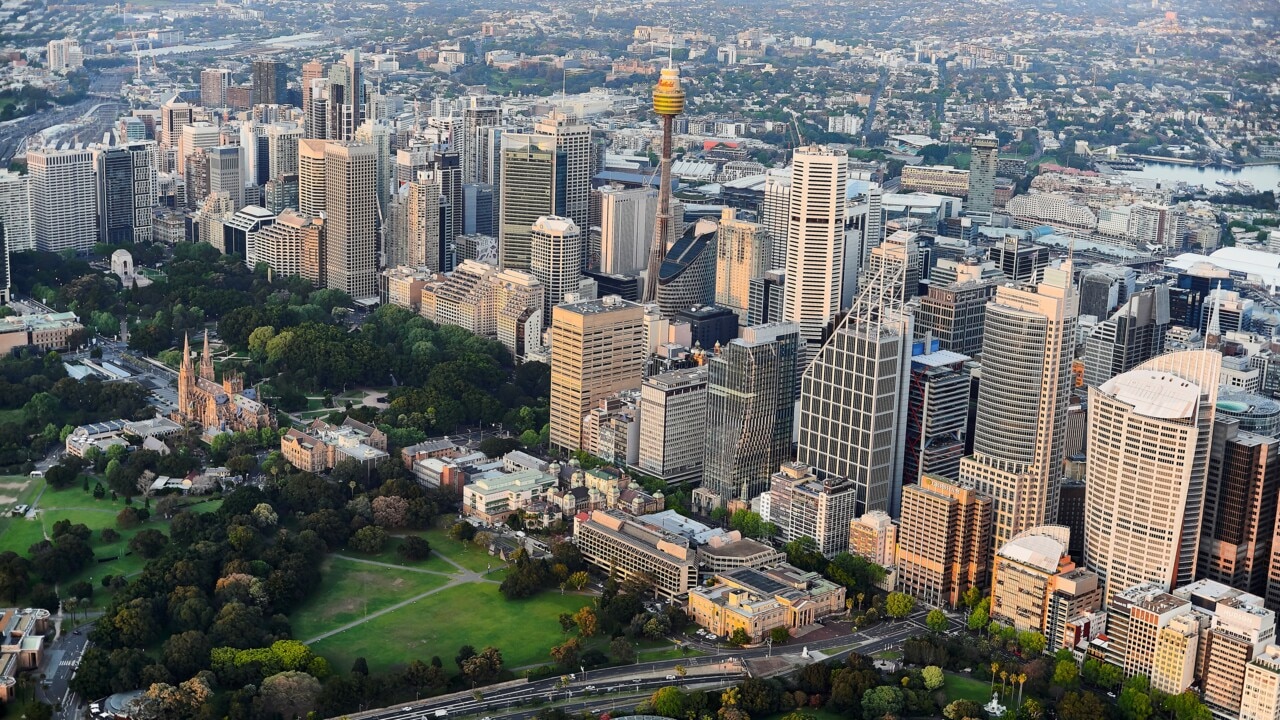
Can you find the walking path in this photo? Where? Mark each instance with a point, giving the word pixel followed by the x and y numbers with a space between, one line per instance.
pixel 463 576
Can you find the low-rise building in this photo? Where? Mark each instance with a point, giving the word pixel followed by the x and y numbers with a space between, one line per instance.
pixel 612 542
pixel 1261 700
pixel 940 179
pixel 50 331
pixel 323 446
pixel 757 601
pixel 725 553
pixel 21 645
pixel 874 536
pixel 493 499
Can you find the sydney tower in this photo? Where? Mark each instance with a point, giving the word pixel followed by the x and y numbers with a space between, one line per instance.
pixel 668 102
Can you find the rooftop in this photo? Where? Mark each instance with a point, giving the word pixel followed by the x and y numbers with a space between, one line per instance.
pixel 1155 394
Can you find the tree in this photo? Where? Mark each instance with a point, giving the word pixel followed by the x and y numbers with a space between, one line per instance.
pixel 567 654
pixel 933 677
pixel 484 667
pixel 880 701
pixel 586 621
pixel 291 694
pixel 360 667
pixel 936 621
pixel 264 516
pixel 148 543
pixel 186 653
pixel 1081 705
pixel 1134 704
pixel 465 653
pixel 622 650
pixel 803 553
pixel 779 635
pixel 669 702
pixel 127 518
pixel 371 540
pixel 899 605
pixel 963 709
pixel 390 511
pixel 1031 642
pixel 15 575
pixel 414 548
pixel 739 636
pixel 1065 673
pixel 978 619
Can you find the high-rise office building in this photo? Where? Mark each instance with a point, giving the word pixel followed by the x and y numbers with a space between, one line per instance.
pixel 750 411
pixel 1020 429
pixel 672 405
pixel 801 505
pixel 1150 432
pixel 687 275
pixel 1104 288
pixel 476 120
pixel 742 254
pixel 533 185
pixel 572 138
pixel 626 228
pixel 815 243
pixel 311 177
pixel 774 214
pixel 1022 577
pixel 225 175
pixel 900 250
pixel 1020 260
pixel 984 156
pixel 15 211
pixel 346 97
pixel 351 219
pixel 213 87
pixel 64 204
pixel 597 349
pixel 270 82
pixel 478 209
pixel 312 70
pixel 556 248
pixel 1134 334
pixel 955 314
pixel 174 115
pixel 853 399
pixel 126 192
pixel 316 115
pixel 379 136
pixel 937 412
pixel 764 302
pixel 944 541
pixel 1261 697
pixel 1239 507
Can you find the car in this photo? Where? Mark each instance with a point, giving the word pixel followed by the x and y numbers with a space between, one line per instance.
pixel 712 637
pixel 671 677
pixel 636 681
pixel 591 688
pixel 406 708
pixel 701 631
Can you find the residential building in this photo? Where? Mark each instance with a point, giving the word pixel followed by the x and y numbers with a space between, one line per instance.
pixel 1027 346
pixel 351 219
pixel 983 160
pixel 213 87
pixel 853 399
pixel 815 243
pixel 1261 697
pixel 322 446
pixel 802 505
pixel 15 211
pixel 742 254
pixel 758 601
pixel 874 536
pixel 555 245
pixel 291 246
pixel 944 541
pixel 611 542
pixel 346 97
pixel 750 411
pixel 597 349
pixel 64 199
pixel 1135 616
pixel 1150 434
pixel 65 55
pixel 673 405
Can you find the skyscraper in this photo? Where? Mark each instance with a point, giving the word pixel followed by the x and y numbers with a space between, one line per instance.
pixel 1150 432
pixel 379 136
pixel 533 185
pixel 853 399
pixel 476 119
pixel 64 206
pixel 985 154
pixel 937 412
pixel 815 243
pixel 597 349
pixel 1239 507
pixel 750 412
pixel 312 70
pixel 15 211
pixel 346 97
pixel 626 228
pixel 416 240
pixel 1022 402
pixel 126 192
pixel 1134 334
pixel 174 115
pixel 668 102
pixel 270 82
pixel 742 254
pixel 774 215
pixel 687 276
pixel 672 404
pixel 351 222
pixel 225 175
pixel 556 246
pixel 311 177
pixel 282 149
pixel 944 541
pixel 572 138
pixel 213 87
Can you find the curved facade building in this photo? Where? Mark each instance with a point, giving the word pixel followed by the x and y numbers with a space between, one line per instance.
pixel 687 276
pixel 1150 433
pixel 1257 413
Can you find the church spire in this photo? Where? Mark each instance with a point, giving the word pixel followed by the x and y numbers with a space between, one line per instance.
pixel 206 360
pixel 186 351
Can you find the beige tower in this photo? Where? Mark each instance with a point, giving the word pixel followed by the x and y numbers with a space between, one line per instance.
pixel 815 244
pixel 742 254
pixel 311 176
pixel 1022 402
pixel 351 223
pixel 597 349
pixel 1150 433
pixel 556 245
pixel 944 540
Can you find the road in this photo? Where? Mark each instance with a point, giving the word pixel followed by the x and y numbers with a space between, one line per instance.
pixel 62 657
pixel 620 681
pixel 104 94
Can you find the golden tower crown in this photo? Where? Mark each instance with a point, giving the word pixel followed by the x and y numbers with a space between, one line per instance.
pixel 668 97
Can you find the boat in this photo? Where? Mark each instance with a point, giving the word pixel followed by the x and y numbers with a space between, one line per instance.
pixel 1246 186
pixel 1226 184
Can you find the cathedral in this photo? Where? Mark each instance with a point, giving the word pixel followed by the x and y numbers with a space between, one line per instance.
pixel 217 407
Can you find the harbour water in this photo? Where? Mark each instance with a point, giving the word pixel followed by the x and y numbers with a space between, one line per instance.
pixel 1262 177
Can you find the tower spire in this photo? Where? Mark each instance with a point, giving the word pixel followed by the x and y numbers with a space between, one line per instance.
pixel 206 359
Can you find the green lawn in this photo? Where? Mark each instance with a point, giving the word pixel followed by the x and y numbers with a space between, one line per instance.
pixel 351 589
pixel 959 687
pixel 16 415
pixel 473 614
pixel 465 554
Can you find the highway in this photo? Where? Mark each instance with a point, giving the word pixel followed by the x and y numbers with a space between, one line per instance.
pixel 103 100
pixel 723 667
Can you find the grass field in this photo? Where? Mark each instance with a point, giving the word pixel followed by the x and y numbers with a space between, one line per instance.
pixel 962 688
pixel 351 589
pixel 473 614
pixel 465 554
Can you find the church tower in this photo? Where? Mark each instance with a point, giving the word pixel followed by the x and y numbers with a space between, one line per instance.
pixel 206 360
pixel 185 379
